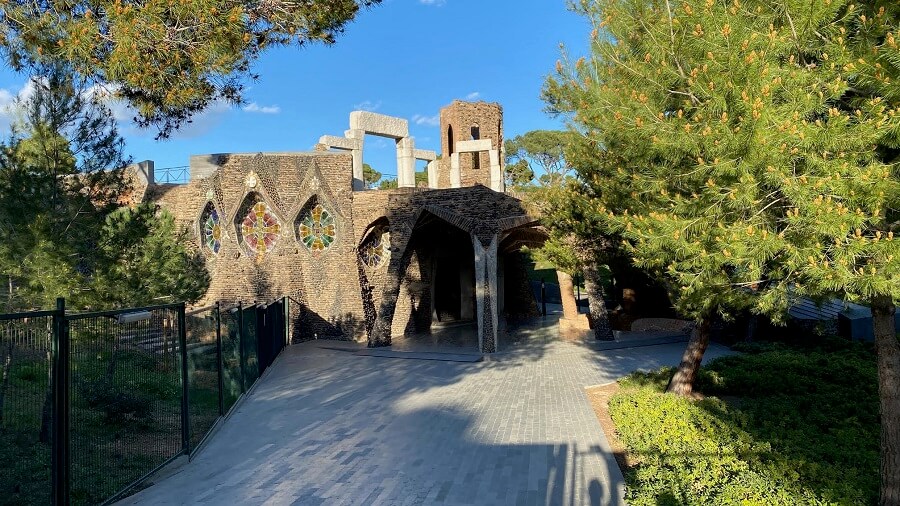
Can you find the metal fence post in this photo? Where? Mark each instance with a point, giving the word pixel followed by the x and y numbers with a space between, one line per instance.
pixel 220 362
pixel 59 377
pixel 241 343
pixel 185 418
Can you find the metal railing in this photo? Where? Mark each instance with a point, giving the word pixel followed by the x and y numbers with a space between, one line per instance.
pixel 91 404
pixel 177 175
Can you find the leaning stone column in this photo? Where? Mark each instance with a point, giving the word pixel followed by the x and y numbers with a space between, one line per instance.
pixel 406 163
pixel 381 331
pixel 433 174
pixel 486 293
pixel 358 178
pixel 496 171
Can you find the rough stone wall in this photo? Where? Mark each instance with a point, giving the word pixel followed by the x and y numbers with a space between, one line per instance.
pixel 459 118
pixel 325 283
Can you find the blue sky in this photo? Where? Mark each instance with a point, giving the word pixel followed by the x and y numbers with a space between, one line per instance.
pixel 404 58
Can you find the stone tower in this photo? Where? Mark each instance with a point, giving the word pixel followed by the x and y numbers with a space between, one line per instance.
pixel 479 127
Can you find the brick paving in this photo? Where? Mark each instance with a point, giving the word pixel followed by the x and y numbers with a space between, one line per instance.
pixel 327 427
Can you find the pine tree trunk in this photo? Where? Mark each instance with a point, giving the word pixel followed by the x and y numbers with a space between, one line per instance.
pixel 888 349
pixel 4 383
pixel 682 383
pixel 567 294
pixel 597 304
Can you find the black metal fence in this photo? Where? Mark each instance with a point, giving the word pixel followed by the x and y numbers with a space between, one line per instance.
pixel 91 404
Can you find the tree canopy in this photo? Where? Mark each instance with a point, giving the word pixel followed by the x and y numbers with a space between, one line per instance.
pixel 747 153
pixel 63 230
pixel 169 59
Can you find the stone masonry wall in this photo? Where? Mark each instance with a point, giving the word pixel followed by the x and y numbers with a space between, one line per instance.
pixel 326 283
pixel 459 118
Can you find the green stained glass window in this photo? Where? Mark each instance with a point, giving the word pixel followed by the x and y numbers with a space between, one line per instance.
pixel 260 229
pixel 317 229
pixel 212 230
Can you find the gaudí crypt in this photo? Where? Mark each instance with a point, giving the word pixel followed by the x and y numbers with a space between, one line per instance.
pixel 365 264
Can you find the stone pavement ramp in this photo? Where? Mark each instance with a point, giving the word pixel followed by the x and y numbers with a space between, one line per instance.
pixel 329 427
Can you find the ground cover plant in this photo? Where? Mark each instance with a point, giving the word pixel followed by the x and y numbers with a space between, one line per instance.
pixel 778 425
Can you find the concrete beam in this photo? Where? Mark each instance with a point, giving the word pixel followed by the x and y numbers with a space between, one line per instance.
pixel 424 154
pixel 474 146
pixel 379 124
pixel 333 141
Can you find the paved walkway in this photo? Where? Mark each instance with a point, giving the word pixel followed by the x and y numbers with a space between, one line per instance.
pixel 326 426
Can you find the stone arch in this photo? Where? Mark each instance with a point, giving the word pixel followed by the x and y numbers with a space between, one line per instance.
pixel 211 229
pixel 316 226
pixel 257 226
pixel 373 249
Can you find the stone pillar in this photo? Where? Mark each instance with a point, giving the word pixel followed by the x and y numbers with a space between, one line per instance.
pixel 455 176
pixel 360 136
pixel 406 163
pixel 433 174
pixel 486 293
pixel 496 171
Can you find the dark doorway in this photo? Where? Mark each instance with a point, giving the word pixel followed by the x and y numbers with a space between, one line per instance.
pixel 454 276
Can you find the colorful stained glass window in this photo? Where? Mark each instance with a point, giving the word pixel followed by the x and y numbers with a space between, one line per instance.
pixel 212 230
pixel 317 229
pixel 375 249
pixel 260 229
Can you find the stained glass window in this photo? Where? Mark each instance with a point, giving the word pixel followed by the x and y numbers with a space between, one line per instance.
pixel 317 229
pixel 212 230
pixel 260 229
pixel 375 249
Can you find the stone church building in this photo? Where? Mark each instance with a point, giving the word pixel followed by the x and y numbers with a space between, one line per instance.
pixel 365 264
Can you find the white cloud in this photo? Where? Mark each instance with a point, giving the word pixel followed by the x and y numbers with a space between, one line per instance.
pixel 427 120
pixel 367 105
pixel 262 109
pixel 473 96
pixel 435 3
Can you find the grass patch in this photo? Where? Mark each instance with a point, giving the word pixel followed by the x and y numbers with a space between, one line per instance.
pixel 779 425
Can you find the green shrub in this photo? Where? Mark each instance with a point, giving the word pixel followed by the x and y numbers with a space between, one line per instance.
pixel 801 427
pixel 116 405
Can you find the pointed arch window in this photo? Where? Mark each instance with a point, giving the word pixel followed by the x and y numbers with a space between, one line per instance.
pixel 211 229
pixel 317 229
pixel 259 227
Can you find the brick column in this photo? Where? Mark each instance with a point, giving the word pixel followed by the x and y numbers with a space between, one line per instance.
pixel 486 293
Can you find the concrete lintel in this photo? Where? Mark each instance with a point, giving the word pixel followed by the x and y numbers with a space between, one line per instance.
pixel 333 141
pixel 474 146
pixel 379 124
pixel 424 154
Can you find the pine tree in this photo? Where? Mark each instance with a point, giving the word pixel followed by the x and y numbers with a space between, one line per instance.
pixel 168 58
pixel 746 151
